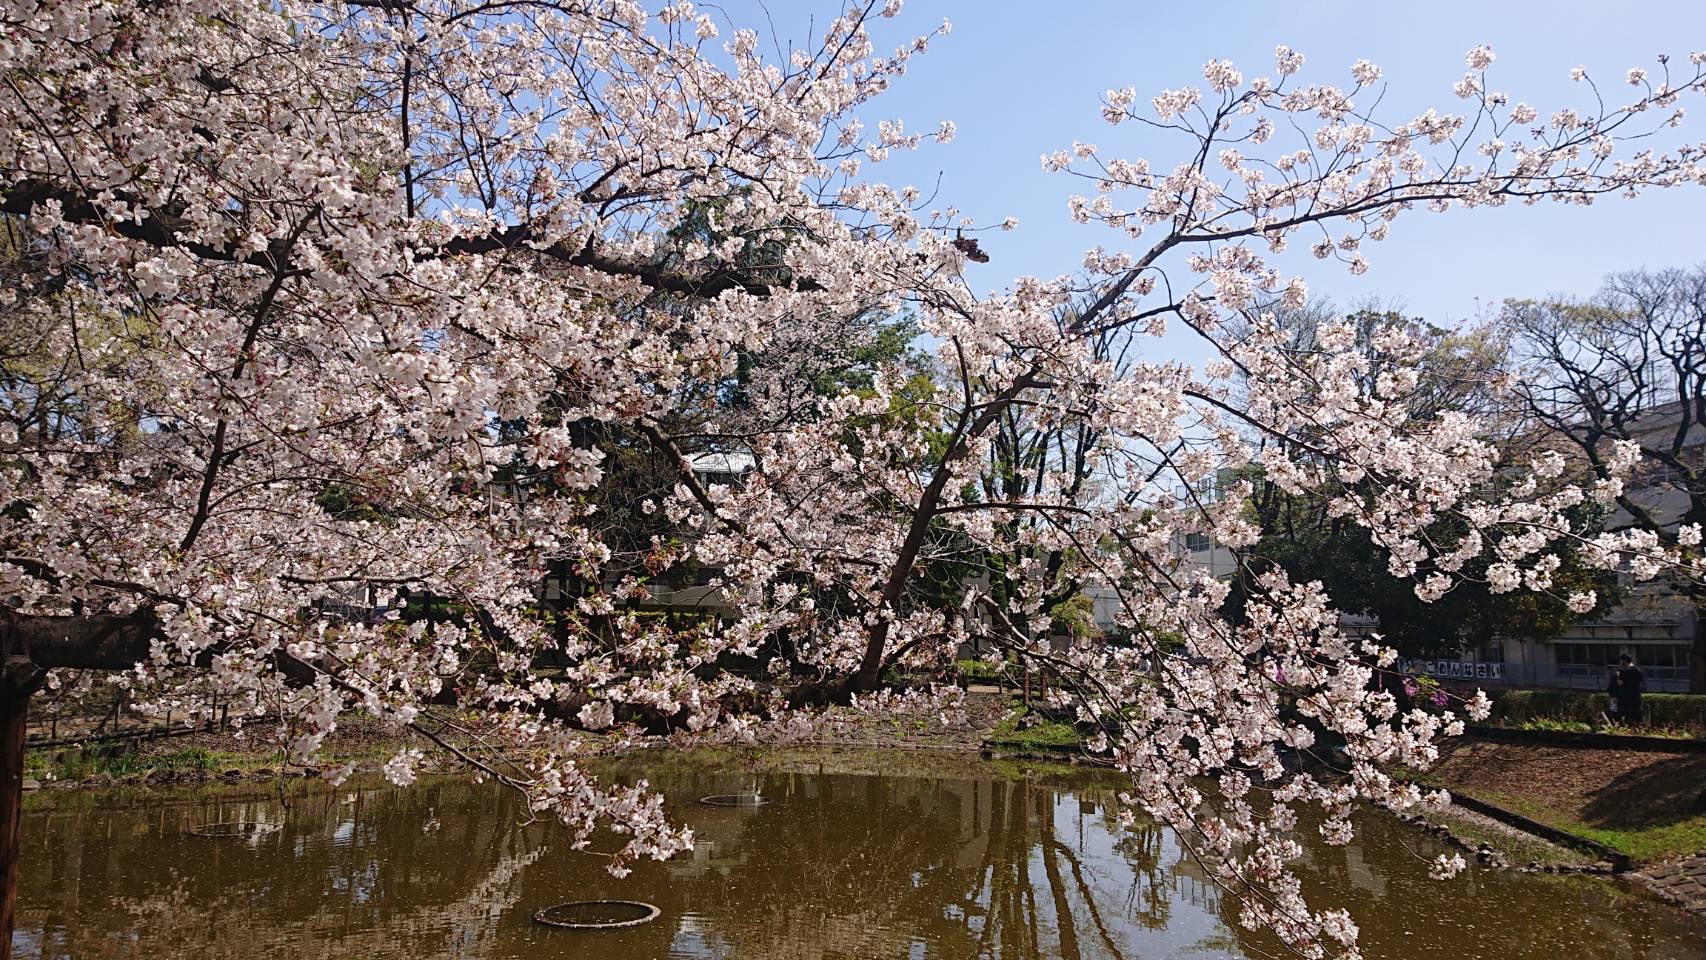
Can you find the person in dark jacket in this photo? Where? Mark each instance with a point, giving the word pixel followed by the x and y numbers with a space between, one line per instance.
pixel 1627 683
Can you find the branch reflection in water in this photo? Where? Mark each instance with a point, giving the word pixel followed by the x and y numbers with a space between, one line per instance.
pixel 970 860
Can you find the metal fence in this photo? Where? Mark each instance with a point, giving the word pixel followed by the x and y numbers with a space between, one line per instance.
pixel 1569 676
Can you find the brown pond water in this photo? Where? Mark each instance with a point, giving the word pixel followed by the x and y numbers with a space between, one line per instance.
pixel 969 860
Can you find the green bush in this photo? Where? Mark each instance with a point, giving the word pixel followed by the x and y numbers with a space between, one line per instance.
pixel 978 670
pixel 1666 710
pixel 1558 726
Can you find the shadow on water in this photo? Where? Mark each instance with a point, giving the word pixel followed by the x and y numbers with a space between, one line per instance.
pixel 969 861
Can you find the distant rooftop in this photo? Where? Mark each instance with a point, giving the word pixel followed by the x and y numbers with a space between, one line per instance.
pixel 734 464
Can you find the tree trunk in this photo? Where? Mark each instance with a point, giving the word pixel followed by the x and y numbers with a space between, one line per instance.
pixel 14 711
pixel 19 678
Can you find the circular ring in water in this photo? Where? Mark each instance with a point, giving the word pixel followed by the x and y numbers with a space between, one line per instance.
pixel 735 800
pixel 597 914
pixel 232 828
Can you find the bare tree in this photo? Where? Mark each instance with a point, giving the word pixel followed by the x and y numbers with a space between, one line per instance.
pixel 1627 364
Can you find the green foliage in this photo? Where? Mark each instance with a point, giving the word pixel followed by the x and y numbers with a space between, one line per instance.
pixel 78 764
pixel 1353 570
pixel 1074 614
pixel 979 670
pixel 1301 535
pixel 1014 731
pixel 1664 711
pixel 1555 726
pixel 1547 724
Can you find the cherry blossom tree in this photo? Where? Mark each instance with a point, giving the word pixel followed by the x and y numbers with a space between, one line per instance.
pixel 309 297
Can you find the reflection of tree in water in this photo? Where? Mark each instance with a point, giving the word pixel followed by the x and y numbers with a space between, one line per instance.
pixel 1064 915
pixel 352 867
pixel 1382 878
pixel 1153 889
pixel 965 867
pixel 836 866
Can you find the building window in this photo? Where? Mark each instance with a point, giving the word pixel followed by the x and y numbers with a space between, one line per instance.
pixel 1660 655
pixel 1585 659
pixel 1495 653
pixel 1196 542
pixel 1590 654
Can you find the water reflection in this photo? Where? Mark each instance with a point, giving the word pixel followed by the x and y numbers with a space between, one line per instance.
pixel 968 864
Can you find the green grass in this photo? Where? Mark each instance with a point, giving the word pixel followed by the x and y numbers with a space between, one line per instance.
pixel 1519 848
pixel 78 764
pixel 1662 842
pixel 1554 724
pixel 1047 733
pixel 1657 842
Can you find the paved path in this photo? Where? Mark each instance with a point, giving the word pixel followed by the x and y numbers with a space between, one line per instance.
pixel 1682 882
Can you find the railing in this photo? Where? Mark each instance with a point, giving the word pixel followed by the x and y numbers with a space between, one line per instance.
pixel 1586 676
pixel 1569 676
pixel 143 733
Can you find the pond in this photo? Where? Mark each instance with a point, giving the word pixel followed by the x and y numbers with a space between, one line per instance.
pixel 956 860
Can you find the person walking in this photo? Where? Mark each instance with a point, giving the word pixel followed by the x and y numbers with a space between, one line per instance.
pixel 1627 684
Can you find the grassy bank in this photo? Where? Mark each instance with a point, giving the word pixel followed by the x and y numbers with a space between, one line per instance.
pixel 1550 725
pixel 870 761
pixel 1475 831
pixel 1019 730
pixel 198 756
pixel 59 765
pixel 1647 805
pixel 1644 844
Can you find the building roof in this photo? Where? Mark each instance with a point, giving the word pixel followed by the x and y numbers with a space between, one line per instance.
pixel 714 461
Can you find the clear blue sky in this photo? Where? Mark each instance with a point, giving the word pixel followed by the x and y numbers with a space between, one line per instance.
pixel 1024 78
